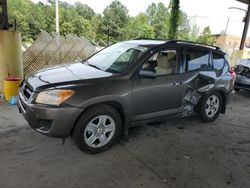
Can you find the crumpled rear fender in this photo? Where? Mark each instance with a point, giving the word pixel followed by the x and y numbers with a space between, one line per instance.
pixel 197 86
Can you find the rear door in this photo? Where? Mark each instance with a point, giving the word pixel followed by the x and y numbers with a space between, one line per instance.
pixel 198 62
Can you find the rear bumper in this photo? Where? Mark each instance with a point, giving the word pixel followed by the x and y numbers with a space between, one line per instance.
pixel 51 121
pixel 242 82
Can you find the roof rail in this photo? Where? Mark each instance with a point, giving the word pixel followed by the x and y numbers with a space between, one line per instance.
pixel 183 42
pixel 195 43
pixel 145 38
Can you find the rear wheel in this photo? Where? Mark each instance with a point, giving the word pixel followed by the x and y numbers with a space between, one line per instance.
pixel 209 106
pixel 97 129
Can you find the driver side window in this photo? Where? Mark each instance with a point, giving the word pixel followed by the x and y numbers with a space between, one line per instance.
pixel 161 63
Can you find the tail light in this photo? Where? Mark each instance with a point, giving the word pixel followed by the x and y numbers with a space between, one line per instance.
pixel 232 72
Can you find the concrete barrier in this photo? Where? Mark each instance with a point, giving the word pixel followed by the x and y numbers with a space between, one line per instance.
pixel 239 54
pixel 10 56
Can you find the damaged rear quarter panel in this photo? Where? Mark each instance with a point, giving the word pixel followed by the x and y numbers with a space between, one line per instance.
pixel 198 84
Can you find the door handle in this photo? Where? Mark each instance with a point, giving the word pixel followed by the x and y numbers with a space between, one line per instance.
pixel 177 83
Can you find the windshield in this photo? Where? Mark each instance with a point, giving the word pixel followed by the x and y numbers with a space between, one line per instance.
pixel 117 58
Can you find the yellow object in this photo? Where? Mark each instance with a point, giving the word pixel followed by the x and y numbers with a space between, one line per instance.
pixel 10 56
pixel 11 88
pixel 239 54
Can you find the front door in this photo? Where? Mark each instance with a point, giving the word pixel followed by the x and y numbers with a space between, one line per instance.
pixel 161 95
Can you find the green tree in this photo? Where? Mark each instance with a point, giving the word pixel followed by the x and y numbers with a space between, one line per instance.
pixel 206 36
pixel 66 28
pixel 48 15
pixel 84 11
pixel 80 19
pixel 19 10
pixel 96 29
pixel 194 33
pixel 115 17
pixel 83 27
pixel 138 27
pixel 36 20
pixel 158 18
pixel 183 31
pixel 151 13
pixel 174 19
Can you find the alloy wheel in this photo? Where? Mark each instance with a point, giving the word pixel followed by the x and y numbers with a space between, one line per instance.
pixel 99 131
pixel 212 106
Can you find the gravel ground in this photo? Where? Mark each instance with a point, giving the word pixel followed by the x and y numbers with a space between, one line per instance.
pixel 177 153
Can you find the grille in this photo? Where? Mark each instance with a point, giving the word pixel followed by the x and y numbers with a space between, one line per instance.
pixel 26 90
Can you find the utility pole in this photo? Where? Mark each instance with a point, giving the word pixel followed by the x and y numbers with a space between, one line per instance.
pixel 246 20
pixel 244 34
pixel 108 38
pixel 57 16
pixel 57 31
pixel 227 26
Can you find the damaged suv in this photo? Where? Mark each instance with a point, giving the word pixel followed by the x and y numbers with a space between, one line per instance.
pixel 128 83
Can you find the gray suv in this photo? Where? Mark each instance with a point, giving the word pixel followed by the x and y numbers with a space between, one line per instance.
pixel 128 83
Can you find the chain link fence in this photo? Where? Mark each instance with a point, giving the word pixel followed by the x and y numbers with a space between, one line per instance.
pixel 49 50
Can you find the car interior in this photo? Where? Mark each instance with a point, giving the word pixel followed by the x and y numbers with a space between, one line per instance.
pixel 162 63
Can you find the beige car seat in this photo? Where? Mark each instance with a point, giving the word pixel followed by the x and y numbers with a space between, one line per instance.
pixel 163 66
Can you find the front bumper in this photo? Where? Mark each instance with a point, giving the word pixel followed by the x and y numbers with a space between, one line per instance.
pixel 242 82
pixel 51 121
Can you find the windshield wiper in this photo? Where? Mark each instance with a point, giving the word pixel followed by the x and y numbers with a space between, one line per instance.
pixel 93 65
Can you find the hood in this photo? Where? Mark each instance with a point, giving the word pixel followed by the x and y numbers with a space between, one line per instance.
pixel 244 62
pixel 65 74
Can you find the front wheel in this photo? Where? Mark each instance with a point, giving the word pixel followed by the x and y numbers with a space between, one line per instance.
pixel 209 106
pixel 97 129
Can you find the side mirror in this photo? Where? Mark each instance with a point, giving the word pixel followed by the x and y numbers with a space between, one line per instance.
pixel 147 74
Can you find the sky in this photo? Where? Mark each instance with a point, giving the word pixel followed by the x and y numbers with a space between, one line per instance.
pixel 213 13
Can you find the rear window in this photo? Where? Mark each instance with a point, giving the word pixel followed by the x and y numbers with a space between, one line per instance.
pixel 197 60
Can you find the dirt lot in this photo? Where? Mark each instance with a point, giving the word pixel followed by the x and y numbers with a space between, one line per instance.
pixel 177 153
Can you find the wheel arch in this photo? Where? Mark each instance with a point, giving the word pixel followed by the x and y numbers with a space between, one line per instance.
pixel 224 101
pixel 122 109
pixel 223 94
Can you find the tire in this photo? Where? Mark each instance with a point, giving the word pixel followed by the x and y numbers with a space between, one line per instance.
pixel 209 106
pixel 97 129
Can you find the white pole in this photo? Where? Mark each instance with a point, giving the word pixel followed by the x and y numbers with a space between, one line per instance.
pixel 57 17
pixel 57 30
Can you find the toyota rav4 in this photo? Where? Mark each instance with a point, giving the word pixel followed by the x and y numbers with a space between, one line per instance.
pixel 128 83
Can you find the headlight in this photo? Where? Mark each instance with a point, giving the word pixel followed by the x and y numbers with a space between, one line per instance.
pixel 54 97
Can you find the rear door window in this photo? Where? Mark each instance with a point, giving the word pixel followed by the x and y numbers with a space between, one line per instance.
pixel 219 64
pixel 197 60
pixel 218 61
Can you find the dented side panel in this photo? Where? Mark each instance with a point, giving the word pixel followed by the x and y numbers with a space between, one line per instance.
pixel 199 84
